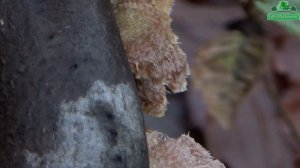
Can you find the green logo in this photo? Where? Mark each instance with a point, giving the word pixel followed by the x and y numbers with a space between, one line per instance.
pixel 283 11
pixel 284 6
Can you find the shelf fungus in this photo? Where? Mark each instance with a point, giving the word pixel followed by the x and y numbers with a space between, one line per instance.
pixel 226 70
pixel 155 57
pixel 182 152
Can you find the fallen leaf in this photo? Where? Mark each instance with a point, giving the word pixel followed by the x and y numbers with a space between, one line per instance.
pixel 225 70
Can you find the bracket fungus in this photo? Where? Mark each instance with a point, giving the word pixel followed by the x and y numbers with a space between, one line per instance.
pixel 182 152
pixel 153 52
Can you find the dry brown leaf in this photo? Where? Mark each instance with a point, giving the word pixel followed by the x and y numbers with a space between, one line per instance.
pixel 183 152
pixel 152 50
pixel 225 70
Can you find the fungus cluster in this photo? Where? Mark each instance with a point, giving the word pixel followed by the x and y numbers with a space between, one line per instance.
pixel 159 66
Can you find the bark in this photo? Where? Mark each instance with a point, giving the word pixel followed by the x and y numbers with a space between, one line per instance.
pixel 67 96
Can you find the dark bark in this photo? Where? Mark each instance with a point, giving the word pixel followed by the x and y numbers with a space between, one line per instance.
pixel 67 96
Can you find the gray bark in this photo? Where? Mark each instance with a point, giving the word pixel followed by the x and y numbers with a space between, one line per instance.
pixel 67 97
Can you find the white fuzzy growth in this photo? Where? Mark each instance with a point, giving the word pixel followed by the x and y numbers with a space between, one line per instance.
pixel 83 141
pixel 1 22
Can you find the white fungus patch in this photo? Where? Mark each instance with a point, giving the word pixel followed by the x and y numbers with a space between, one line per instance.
pixel 83 142
pixel 1 22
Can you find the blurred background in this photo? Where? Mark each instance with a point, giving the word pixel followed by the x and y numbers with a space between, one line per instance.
pixel 265 127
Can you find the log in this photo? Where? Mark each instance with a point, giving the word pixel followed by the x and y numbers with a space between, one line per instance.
pixel 67 97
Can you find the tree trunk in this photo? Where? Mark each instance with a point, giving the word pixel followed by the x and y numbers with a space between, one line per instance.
pixel 67 97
